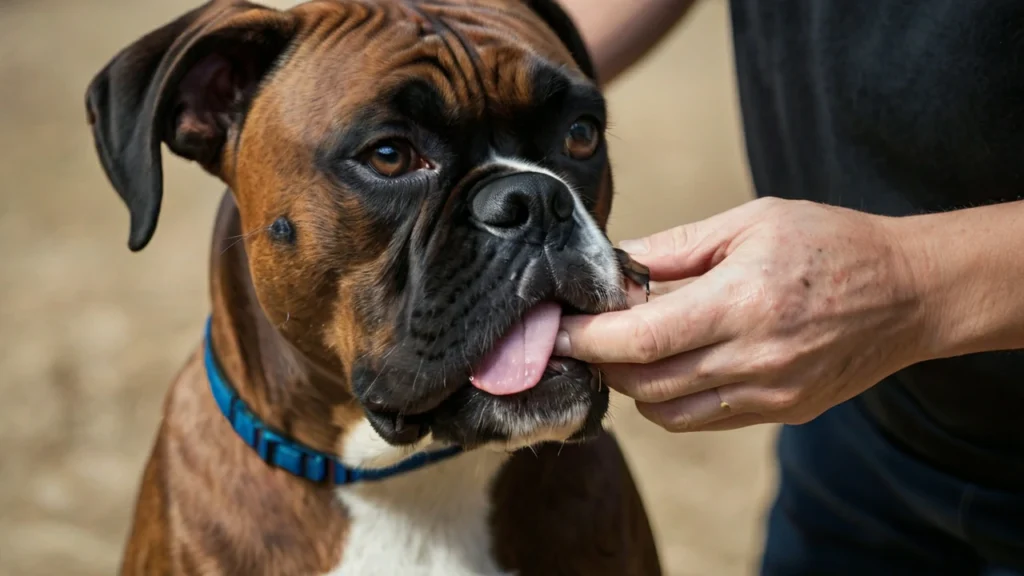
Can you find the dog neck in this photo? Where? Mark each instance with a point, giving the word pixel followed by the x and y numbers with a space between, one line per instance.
pixel 433 520
pixel 287 390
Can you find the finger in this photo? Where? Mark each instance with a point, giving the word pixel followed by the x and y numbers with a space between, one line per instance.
pixel 774 402
pixel 689 413
pixel 659 289
pixel 673 377
pixel 732 423
pixel 687 319
pixel 638 295
pixel 691 249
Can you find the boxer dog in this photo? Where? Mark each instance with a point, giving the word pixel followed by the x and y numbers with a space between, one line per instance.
pixel 417 191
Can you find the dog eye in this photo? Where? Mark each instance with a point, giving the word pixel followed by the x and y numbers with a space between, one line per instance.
pixel 394 158
pixel 582 139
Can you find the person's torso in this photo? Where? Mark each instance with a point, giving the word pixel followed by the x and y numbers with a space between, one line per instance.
pixel 899 107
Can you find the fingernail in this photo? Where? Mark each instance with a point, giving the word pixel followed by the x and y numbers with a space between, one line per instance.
pixel 635 246
pixel 562 346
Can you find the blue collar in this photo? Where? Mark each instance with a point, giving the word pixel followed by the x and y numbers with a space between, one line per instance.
pixel 277 450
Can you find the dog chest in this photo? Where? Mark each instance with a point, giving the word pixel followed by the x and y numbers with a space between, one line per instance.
pixel 432 522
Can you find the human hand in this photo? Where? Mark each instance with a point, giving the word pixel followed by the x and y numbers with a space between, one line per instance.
pixel 773 311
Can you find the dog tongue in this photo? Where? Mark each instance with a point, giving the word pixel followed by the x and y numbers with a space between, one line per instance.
pixel 517 362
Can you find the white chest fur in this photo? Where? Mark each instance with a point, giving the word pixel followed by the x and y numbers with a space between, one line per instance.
pixel 430 522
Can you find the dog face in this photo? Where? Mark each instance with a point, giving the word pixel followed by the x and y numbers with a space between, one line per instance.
pixel 423 188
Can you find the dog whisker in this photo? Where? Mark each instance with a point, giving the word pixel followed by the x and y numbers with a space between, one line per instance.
pixel 242 237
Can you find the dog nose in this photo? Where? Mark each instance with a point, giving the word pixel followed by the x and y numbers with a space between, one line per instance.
pixel 523 205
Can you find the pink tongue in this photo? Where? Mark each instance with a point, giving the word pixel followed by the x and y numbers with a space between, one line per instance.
pixel 518 361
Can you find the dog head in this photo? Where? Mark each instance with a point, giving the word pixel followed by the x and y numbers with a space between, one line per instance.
pixel 423 188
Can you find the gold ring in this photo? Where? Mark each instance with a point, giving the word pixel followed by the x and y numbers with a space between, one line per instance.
pixel 722 403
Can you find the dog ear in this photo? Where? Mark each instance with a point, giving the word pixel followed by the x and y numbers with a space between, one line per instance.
pixel 562 25
pixel 186 84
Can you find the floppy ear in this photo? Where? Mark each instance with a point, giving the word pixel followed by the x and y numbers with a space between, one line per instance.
pixel 188 85
pixel 562 25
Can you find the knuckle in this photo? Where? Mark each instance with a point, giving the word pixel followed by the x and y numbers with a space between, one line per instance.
pixel 702 372
pixel 649 391
pixel 646 345
pixel 772 361
pixel 752 297
pixel 785 400
pixel 663 393
pixel 679 238
pixel 671 420
pixel 680 422
pixel 664 390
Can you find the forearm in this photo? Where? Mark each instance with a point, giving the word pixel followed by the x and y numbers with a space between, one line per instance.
pixel 618 33
pixel 967 267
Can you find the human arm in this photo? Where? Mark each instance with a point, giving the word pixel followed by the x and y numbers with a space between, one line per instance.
pixel 618 33
pixel 789 308
pixel 968 267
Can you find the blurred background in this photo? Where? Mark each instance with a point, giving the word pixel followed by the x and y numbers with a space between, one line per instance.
pixel 91 335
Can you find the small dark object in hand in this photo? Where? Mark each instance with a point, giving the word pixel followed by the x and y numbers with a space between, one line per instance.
pixel 635 271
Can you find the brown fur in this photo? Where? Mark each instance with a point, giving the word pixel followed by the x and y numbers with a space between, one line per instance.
pixel 208 504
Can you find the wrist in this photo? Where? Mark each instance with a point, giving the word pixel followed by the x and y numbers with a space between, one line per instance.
pixel 962 287
pixel 912 296
pixel 924 281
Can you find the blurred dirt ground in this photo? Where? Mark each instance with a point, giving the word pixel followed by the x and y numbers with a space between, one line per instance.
pixel 90 334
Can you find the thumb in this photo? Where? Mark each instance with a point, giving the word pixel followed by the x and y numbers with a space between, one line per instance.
pixel 691 249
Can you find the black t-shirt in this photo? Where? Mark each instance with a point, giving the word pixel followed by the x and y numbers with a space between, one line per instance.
pixel 900 107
